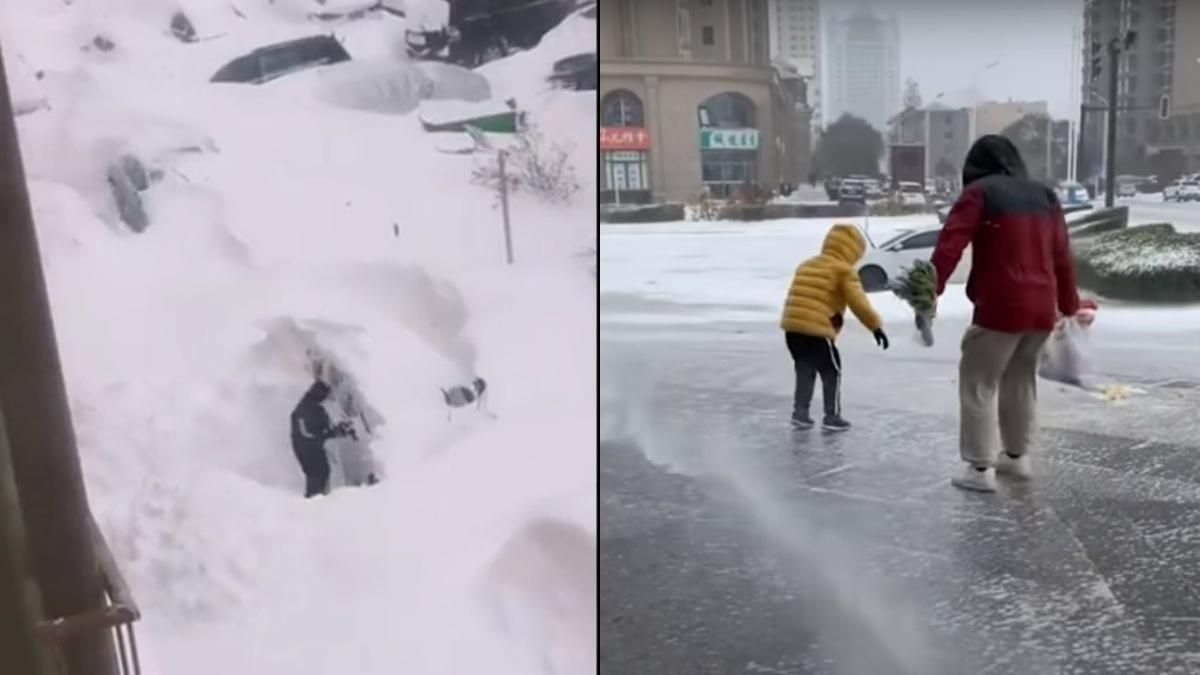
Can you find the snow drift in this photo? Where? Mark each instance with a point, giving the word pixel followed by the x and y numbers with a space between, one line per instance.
pixel 281 226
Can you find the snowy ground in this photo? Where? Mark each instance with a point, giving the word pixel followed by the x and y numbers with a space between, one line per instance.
pixel 282 215
pixel 733 545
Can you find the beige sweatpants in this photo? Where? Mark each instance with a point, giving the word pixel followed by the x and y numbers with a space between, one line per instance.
pixel 1004 366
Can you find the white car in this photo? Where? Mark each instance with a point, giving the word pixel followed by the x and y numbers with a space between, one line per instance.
pixel 1189 191
pixel 883 263
pixel 911 194
pixel 1171 191
pixel 1126 191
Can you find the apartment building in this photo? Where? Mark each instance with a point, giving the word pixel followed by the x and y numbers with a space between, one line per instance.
pixel 795 30
pixel 690 103
pixel 863 70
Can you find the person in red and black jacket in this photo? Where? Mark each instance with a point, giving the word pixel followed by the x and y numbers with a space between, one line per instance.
pixel 1022 278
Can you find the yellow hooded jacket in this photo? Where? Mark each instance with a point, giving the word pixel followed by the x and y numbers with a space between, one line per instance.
pixel 823 286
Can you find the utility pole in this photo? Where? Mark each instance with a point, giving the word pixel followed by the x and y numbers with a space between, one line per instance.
pixel 1110 166
pixel 33 397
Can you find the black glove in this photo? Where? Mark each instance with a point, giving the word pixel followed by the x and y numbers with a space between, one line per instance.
pixel 881 338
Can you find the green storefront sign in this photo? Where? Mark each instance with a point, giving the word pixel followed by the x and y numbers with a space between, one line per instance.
pixel 729 139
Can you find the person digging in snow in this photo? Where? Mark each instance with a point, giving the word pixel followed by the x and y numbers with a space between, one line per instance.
pixel 311 427
pixel 1021 278
pixel 821 290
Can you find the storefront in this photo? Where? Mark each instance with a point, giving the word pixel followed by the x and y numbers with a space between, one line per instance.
pixel 624 150
pixel 624 154
pixel 728 160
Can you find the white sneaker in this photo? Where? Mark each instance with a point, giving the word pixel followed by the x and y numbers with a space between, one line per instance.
pixel 1015 468
pixel 976 480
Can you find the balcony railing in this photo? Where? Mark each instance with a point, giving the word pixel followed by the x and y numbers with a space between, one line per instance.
pixel 117 617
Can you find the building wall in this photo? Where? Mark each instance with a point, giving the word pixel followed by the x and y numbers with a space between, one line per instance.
pixel 1186 85
pixel 993 117
pixel 795 27
pixel 949 133
pixel 863 69
pixel 641 52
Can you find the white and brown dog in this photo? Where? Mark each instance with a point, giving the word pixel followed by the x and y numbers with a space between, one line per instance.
pixel 461 397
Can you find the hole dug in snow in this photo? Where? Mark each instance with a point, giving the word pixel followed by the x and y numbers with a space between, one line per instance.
pixel 288 359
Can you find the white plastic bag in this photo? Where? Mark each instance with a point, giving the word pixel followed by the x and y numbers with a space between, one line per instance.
pixel 1066 358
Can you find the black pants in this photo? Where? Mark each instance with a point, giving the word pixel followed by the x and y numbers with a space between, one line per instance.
pixel 315 465
pixel 814 356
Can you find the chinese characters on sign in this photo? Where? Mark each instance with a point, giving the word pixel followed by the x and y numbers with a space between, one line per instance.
pixel 624 138
pixel 729 139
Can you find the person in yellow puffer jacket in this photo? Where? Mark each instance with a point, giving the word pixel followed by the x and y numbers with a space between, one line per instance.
pixel 821 290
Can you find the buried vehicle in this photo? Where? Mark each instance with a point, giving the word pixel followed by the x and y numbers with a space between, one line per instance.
pixel 480 31
pixel 576 72
pixel 275 61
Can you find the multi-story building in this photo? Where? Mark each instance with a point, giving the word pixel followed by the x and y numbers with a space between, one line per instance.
pixel 945 133
pixel 863 69
pixel 795 27
pixel 993 117
pixel 690 103
pixel 1159 63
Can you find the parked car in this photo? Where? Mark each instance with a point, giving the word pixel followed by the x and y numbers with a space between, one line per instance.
pixel 1126 190
pixel 1073 194
pixel 883 263
pixel 852 191
pixel 275 61
pixel 1189 191
pixel 911 194
pixel 484 30
pixel 577 72
pixel 1171 191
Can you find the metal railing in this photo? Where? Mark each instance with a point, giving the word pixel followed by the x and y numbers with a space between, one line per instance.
pixel 118 616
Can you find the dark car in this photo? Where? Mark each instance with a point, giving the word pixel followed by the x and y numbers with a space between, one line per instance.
pixel 576 72
pixel 486 30
pixel 275 61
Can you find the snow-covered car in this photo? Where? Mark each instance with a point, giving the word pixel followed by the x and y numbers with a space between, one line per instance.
pixel 577 72
pixel 883 263
pixel 275 61
pixel 1189 191
pixel 911 194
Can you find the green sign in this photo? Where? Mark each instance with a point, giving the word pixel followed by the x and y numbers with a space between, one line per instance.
pixel 729 139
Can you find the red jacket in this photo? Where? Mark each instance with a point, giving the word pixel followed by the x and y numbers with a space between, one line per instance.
pixel 1022 275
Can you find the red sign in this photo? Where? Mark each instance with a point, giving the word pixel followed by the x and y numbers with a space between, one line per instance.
pixel 624 138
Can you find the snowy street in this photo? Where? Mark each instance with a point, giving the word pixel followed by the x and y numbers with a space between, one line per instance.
pixel 731 544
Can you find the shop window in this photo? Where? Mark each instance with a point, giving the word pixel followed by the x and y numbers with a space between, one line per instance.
pixel 626 178
pixel 622 108
pixel 727 111
pixel 724 172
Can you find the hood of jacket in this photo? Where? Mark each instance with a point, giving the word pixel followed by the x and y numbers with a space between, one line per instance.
pixel 993 155
pixel 845 243
pixel 318 392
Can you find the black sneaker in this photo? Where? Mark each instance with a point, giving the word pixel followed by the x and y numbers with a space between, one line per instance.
pixel 801 422
pixel 835 423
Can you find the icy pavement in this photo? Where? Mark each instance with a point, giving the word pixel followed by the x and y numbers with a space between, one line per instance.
pixel 730 544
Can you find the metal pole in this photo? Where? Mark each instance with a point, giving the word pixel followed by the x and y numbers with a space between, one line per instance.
pixel 1080 149
pixel 20 608
pixel 508 251
pixel 1110 167
pixel 33 397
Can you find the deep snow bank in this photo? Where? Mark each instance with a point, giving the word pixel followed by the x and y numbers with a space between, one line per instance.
pixel 275 216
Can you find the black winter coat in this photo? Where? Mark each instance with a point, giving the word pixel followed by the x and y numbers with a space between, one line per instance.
pixel 311 425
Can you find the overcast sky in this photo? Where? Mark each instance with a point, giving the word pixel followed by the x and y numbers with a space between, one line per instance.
pixel 946 44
